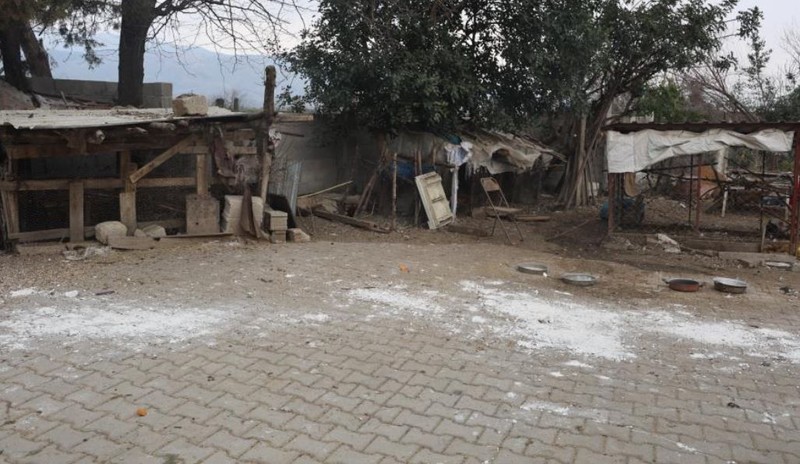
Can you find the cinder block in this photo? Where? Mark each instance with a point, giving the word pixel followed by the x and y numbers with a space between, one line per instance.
pixel 277 237
pixel 202 215
pixel 276 220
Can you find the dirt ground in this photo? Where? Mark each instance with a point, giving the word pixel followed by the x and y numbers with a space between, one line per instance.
pixel 629 274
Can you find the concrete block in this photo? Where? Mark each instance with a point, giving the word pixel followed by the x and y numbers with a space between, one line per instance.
pixel 202 215
pixel 276 220
pixel 298 236
pixel 105 230
pixel 139 233
pixel 190 105
pixel 277 237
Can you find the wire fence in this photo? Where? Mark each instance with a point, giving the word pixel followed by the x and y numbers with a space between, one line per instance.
pixel 734 196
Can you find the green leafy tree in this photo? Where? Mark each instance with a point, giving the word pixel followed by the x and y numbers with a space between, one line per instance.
pixel 74 21
pixel 392 64
pixel 397 64
pixel 666 102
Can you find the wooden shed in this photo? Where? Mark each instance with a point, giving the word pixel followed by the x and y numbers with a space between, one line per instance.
pixel 118 133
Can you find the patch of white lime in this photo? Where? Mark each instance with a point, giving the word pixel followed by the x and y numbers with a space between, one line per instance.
pixel 479 320
pixel 596 415
pixel 317 317
pixel 125 324
pixel 576 363
pixel 398 299
pixel 23 292
pixel 540 323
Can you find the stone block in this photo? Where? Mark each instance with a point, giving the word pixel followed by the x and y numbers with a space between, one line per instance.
pixel 202 215
pixel 232 214
pixel 105 230
pixel 298 236
pixel 190 105
pixel 155 231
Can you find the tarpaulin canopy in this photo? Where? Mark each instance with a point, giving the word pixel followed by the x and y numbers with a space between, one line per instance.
pixel 636 151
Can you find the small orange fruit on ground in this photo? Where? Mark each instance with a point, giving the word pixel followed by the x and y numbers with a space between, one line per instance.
pixel 141 412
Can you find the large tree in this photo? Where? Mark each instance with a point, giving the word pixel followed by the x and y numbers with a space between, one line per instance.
pixel 72 22
pixel 502 64
pixel 237 25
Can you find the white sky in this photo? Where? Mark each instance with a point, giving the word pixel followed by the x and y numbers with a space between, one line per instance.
pixel 779 15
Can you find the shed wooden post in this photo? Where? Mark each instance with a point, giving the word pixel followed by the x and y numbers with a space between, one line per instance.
pixel 10 203
pixel 76 220
pixel 127 199
pixel 612 203
pixel 794 223
pixel 202 174
pixel 263 144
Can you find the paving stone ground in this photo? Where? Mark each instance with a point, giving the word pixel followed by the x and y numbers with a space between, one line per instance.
pixel 350 386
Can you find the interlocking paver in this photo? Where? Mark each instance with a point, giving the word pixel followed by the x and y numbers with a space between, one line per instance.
pixel 360 386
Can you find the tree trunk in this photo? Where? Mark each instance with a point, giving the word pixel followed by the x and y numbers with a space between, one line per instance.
pixel 137 17
pixel 12 56
pixel 35 54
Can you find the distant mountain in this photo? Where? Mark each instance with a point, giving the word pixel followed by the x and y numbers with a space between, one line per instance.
pixel 195 70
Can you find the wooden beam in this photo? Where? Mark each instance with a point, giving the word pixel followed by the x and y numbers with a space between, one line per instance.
pixel 60 234
pixel 262 142
pixel 160 159
pixel 76 221
pixel 94 184
pixel 202 173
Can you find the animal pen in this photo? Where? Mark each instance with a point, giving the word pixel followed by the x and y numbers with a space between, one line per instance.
pixel 725 186
pixel 64 170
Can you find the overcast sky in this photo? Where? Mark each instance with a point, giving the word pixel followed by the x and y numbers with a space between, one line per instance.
pixel 779 15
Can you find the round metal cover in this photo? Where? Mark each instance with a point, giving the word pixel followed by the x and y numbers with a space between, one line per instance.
pixel 723 284
pixel 782 265
pixel 532 268
pixel 580 280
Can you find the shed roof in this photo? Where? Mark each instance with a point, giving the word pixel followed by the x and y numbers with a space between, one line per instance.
pixel 743 127
pixel 49 119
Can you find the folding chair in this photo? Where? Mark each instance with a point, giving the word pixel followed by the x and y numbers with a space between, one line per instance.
pixel 500 206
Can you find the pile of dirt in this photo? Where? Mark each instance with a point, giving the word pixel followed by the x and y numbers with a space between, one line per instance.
pixel 13 99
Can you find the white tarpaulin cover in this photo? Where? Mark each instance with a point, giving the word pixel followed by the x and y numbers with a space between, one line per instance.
pixel 637 151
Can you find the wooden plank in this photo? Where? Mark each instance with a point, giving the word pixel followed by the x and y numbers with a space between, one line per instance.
pixel 127 210
pixel 76 221
pixel 10 212
pixel 160 159
pixel 131 243
pixel 351 221
pixel 527 218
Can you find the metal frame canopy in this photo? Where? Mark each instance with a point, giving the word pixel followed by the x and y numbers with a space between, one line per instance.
pixel 654 142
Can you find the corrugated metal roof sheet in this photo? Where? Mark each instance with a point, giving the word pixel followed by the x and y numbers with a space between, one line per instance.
pixel 49 119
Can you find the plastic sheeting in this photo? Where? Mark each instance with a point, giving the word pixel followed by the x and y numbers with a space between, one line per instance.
pixel 637 151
